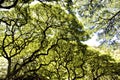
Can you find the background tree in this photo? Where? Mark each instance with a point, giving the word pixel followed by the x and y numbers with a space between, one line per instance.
pixel 102 18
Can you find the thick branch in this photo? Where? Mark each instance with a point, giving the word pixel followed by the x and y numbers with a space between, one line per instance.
pixel 8 7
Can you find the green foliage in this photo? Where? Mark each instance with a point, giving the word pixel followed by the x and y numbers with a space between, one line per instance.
pixel 102 17
pixel 43 41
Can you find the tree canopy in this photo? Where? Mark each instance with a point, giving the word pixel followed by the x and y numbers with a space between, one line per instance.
pixel 44 40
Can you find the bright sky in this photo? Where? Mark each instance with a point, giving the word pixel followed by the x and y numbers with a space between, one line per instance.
pixel 93 41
